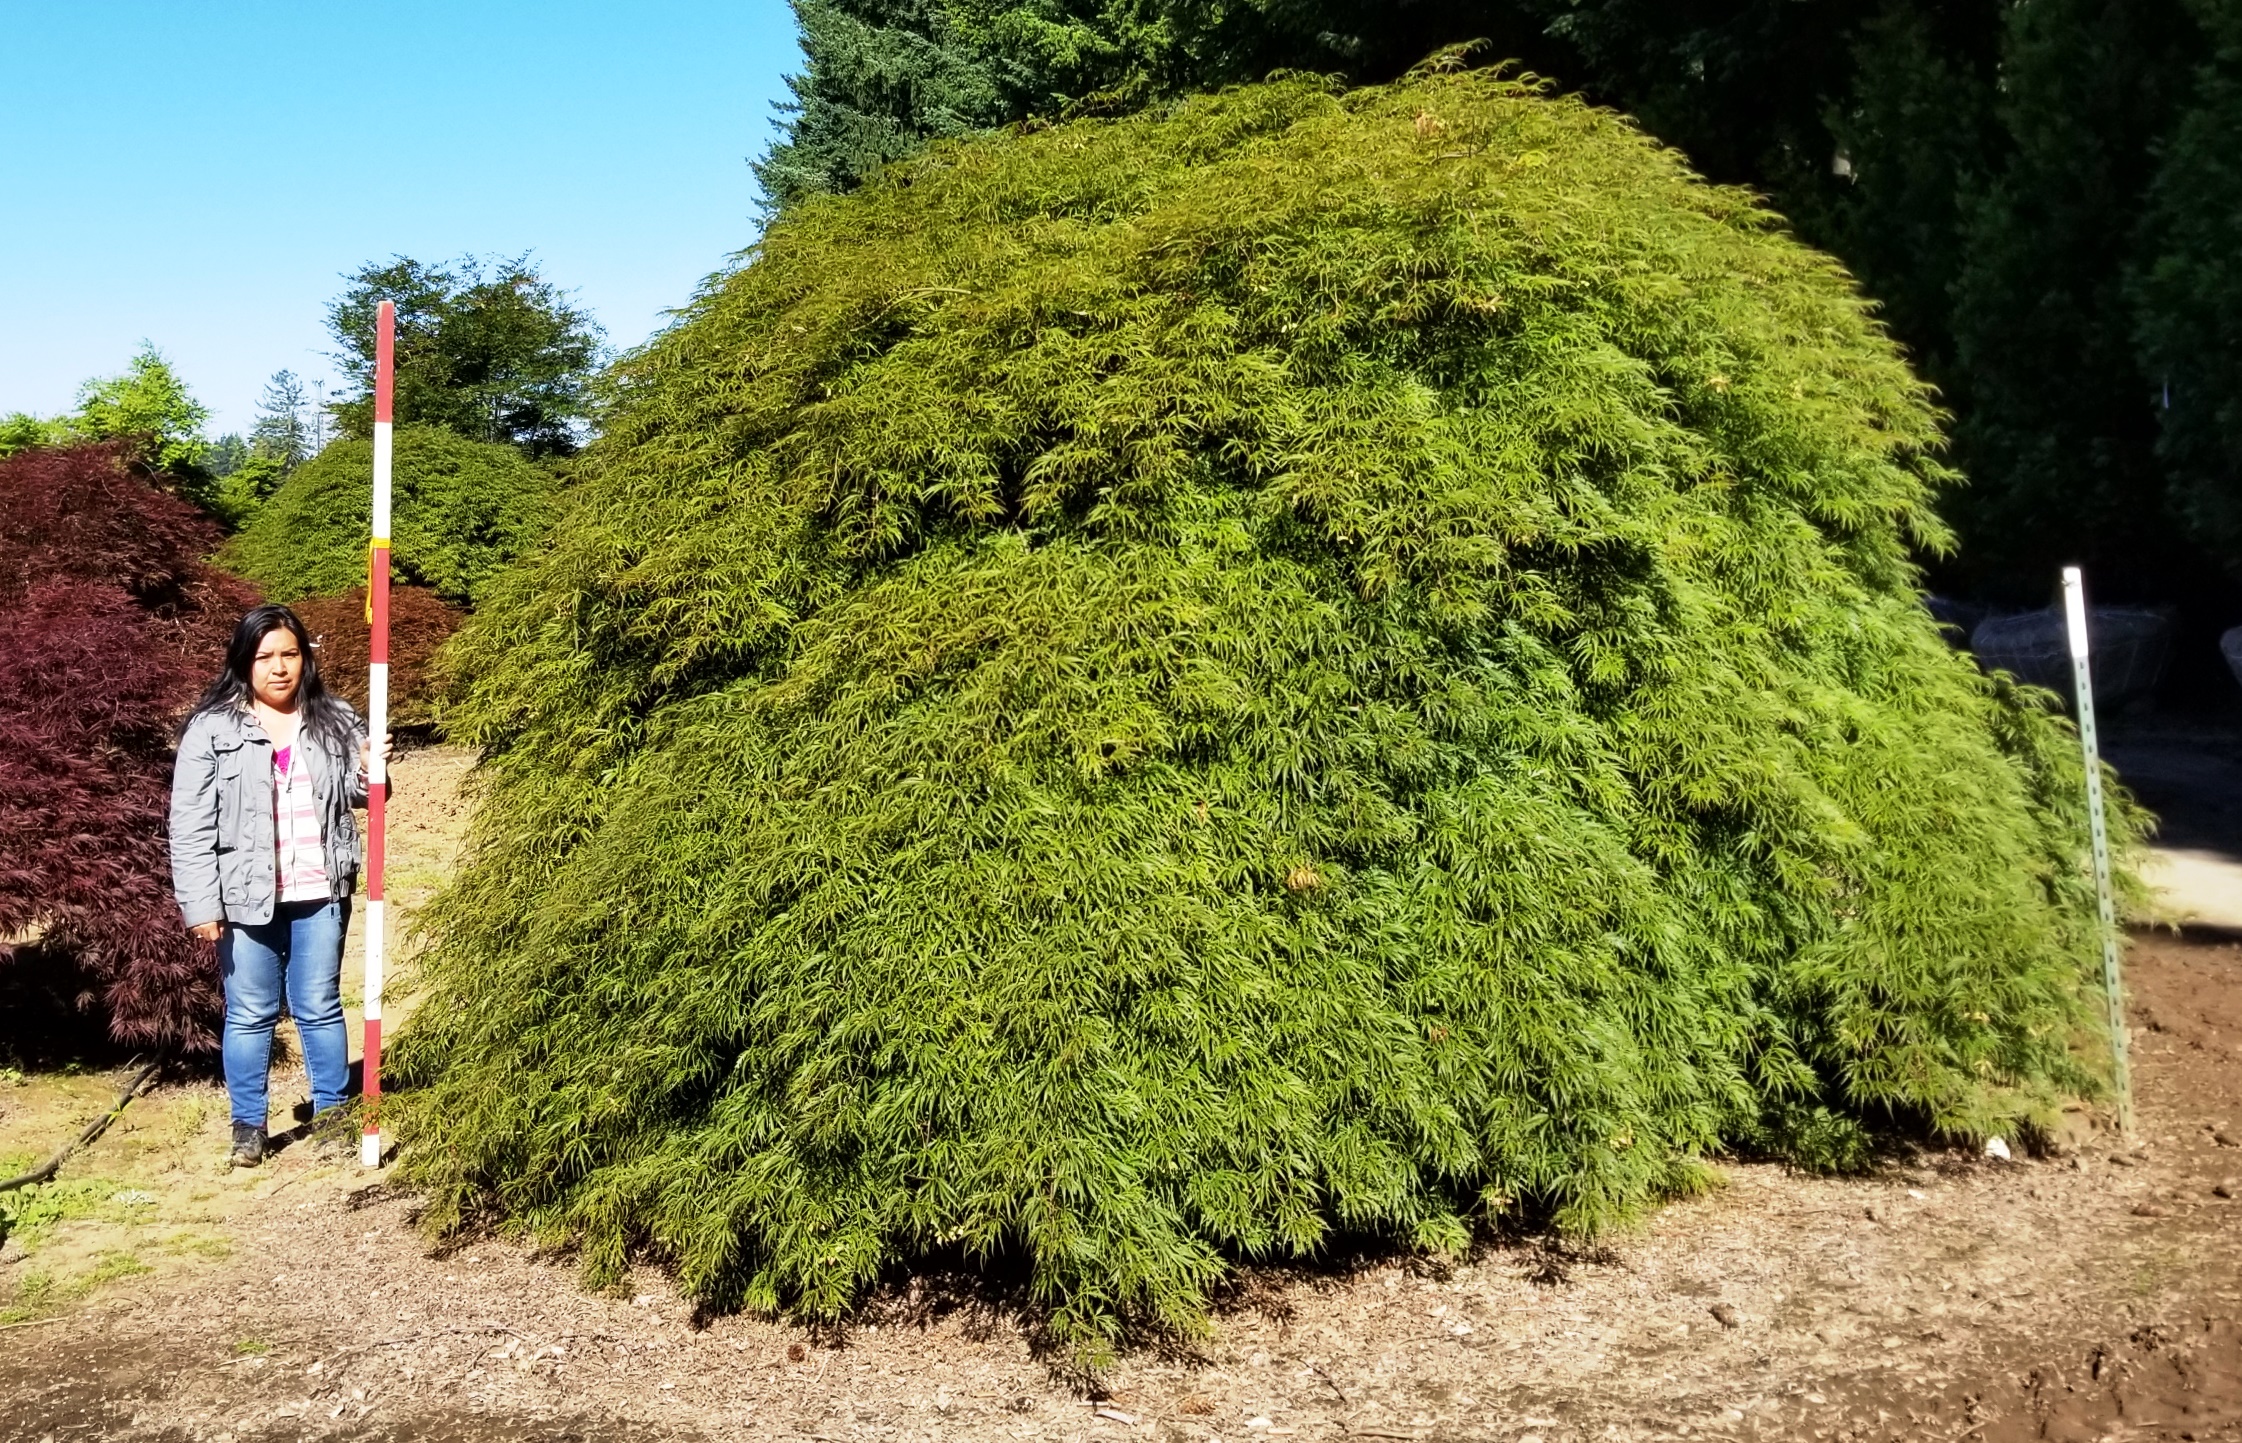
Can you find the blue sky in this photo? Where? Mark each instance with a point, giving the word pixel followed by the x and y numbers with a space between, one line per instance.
pixel 200 175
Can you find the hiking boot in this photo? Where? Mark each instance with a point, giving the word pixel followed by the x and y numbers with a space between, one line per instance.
pixel 249 1145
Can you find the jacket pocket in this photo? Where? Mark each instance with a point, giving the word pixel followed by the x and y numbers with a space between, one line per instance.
pixel 244 877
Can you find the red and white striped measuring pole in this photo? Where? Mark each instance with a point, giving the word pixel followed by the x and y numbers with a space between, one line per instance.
pixel 377 722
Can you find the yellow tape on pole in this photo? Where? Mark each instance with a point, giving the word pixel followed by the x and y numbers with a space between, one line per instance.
pixel 379 543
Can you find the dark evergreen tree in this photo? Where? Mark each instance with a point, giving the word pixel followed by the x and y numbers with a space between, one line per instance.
pixel 2058 425
pixel 883 79
pixel 2188 292
pixel 1915 133
pixel 1744 87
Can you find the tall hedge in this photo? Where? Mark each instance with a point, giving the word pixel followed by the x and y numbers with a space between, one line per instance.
pixel 461 510
pixel 1145 692
pixel 110 624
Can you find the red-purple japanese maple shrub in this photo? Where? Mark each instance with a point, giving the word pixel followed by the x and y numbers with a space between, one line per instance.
pixel 420 621
pixel 110 622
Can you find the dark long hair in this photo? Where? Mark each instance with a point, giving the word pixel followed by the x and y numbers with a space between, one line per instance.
pixel 326 716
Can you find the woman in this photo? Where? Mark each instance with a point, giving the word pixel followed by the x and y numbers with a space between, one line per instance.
pixel 264 856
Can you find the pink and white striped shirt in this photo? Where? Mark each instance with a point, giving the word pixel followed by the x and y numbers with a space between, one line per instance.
pixel 301 867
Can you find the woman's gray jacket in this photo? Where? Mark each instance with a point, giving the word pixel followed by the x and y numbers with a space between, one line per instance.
pixel 223 857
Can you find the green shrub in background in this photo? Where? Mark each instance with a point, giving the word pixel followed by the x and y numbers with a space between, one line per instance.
pixel 461 510
pixel 1138 693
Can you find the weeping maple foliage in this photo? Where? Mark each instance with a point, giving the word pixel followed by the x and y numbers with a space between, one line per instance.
pixel 110 624
pixel 1153 691
pixel 463 510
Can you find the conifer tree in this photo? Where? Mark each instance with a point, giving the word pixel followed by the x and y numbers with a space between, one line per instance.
pixel 2188 292
pixel 227 455
pixel 882 81
pixel 1915 134
pixel 246 473
pixel 282 433
pixel 2058 424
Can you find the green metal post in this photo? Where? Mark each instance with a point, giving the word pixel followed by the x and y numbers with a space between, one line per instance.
pixel 2113 982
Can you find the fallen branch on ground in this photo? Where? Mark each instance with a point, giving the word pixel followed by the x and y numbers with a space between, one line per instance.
pixel 45 1171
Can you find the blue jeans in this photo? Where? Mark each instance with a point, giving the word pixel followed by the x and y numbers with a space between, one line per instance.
pixel 303 943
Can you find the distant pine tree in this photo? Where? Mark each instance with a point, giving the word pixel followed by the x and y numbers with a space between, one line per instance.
pixel 282 433
pixel 248 472
pixel 227 455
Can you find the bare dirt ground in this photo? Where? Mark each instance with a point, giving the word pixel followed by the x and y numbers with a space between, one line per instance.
pixel 2095 1295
